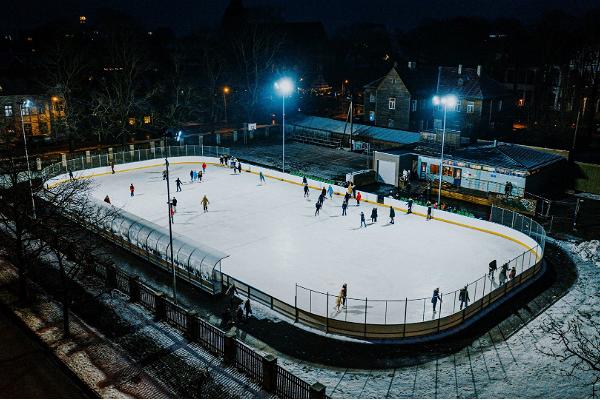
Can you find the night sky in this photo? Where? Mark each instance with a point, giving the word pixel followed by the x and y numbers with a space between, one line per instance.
pixel 185 16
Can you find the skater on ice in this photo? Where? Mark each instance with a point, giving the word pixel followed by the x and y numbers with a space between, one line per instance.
pixel 112 166
pixel 107 199
pixel 305 190
pixel 178 184
pixel 435 297
pixel 304 181
pixel 428 210
pixel 321 199
pixel 323 192
pixel 358 197
pixel 340 300
pixel 330 192
pixel 221 160
pixel 205 203
pixel 171 213
pixel 344 207
pixel 239 167
pixel 463 296
pixel 199 176
pixel 317 207
pixel 502 274
pixel 492 269
pixel 392 215
pixel 192 176
pixel 174 204
pixel 362 220
pixel 203 167
pixel 374 215
pixel 346 198
pixel 132 190
pixel 344 293
pixel 409 204
pixel 261 178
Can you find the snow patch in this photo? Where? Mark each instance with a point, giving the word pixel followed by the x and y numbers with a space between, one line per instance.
pixel 587 251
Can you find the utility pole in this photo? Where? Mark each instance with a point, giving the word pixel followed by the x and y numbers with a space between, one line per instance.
pixel 580 113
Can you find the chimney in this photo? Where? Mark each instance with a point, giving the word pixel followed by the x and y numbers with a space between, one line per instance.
pixel 412 65
pixel 479 70
pixel 459 69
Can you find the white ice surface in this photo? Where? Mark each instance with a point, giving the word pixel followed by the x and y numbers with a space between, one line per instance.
pixel 275 240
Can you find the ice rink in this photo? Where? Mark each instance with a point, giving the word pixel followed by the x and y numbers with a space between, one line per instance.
pixel 275 241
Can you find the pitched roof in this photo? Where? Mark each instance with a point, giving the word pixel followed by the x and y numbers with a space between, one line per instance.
pixel 502 155
pixel 373 132
pixel 422 81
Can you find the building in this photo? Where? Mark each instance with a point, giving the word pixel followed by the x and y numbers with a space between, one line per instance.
pixel 485 167
pixel 403 99
pixel 23 107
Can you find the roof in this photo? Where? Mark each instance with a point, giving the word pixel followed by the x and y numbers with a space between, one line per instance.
pixel 422 81
pixel 373 132
pixel 503 155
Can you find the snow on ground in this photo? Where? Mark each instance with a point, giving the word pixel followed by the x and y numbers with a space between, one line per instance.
pixel 587 251
pixel 275 240
pixel 488 368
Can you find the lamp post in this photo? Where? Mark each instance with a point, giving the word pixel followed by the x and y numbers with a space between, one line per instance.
pixel 446 101
pixel 169 205
pixel 225 93
pixel 27 103
pixel 284 86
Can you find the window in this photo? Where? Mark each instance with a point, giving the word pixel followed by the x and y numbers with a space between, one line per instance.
pixel 413 105
pixel 457 106
pixel 392 103
pixel 390 123
pixel 26 110
pixel 393 81
pixel 470 107
pixel 372 116
pixel 499 105
pixel 131 121
pixel 372 98
pixel 434 169
pixel 147 119
pixel 521 102
pixel 8 111
pixel 27 127
pixel 437 124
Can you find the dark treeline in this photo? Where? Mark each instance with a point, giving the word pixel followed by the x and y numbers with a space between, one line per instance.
pixel 110 73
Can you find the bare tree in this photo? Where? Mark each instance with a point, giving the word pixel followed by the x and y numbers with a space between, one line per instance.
pixel 255 51
pixel 576 344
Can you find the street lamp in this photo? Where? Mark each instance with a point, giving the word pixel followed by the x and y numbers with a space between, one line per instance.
pixel 166 135
pixel 226 91
pixel 446 101
pixel 27 104
pixel 284 86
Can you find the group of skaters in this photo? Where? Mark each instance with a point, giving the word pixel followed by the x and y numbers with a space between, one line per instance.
pixel 504 274
pixel 196 176
pixel 232 163
pixel 242 313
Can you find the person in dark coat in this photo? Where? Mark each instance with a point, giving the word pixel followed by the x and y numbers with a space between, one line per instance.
pixel 344 294
pixel 435 297
pixel 247 308
pixel 317 207
pixel 362 220
pixel 428 210
pixel 512 273
pixel 174 204
pixel 230 293
pixel 463 296
pixel 70 174
pixel 344 207
pixel 502 274
pixel 239 315
pixel 347 197
pixel 492 268
pixel 192 175
pixel 178 184
pixel 374 215
pixel 392 215
pixel 305 190
pixel 304 181
pixel 409 204
pixel 323 192
pixel 107 199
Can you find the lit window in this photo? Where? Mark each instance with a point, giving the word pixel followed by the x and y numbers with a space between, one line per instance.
pixel 499 105
pixel 8 111
pixel 131 121
pixel 392 103
pixel 372 98
pixel 371 116
pixel 457 106
pixel 82 19
pixel 413 105
pixel 390 123
pixel 26 110
pixel 146 119
pixel 470 107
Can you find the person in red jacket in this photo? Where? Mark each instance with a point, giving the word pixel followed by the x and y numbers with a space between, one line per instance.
pixel 204 167
pixel 358 197
pixel 132 189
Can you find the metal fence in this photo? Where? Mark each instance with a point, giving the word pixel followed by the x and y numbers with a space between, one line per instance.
pixel 289 386
pixel 249 361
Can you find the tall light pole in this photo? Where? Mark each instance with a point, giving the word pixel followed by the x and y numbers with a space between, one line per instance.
pixel 169 205
pixel 27 103
pixel 225 93
pixel 446 101
pixel 284 86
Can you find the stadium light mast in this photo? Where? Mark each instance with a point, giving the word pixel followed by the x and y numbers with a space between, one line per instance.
pixel 27 104
pixel 446 101
pixel 166 135
pixel 284 86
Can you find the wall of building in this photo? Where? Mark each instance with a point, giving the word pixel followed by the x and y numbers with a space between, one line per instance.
pixel 390 87
pixel 38 119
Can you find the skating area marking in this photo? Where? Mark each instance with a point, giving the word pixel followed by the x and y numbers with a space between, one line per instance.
pixel 525 246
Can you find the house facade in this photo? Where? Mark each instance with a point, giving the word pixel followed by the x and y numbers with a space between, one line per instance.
pixel 402 99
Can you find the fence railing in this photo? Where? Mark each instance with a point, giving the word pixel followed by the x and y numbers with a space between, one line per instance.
pixel 262 369
pixel 477 184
